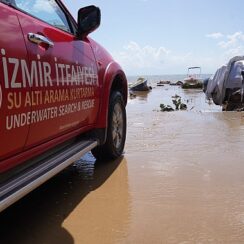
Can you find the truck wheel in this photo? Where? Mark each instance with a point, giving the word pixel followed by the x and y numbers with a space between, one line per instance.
pixel 116 131
pixel 231 106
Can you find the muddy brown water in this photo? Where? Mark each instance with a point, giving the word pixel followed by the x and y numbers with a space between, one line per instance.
pixel 181 180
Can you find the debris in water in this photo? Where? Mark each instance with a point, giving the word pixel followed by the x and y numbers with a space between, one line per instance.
pixel 177 102
pixel 163 82
pixel 132 95
pixel 166 108
pixel 183 106
pixel 178 83
pixel 175 96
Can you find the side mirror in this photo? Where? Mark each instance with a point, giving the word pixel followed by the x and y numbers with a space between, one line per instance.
pixel 89 19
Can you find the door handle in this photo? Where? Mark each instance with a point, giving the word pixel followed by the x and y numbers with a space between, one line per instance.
pixel 39 39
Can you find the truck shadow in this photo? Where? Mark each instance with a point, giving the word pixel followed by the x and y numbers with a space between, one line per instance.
pixel 39 217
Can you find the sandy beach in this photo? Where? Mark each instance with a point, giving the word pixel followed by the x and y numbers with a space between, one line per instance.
pixel 181 180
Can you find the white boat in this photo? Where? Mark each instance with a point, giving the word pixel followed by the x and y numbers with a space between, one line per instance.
pixel 193 76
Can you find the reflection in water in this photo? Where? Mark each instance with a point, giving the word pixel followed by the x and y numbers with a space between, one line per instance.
pixel 232 119
pixel 104 215
pixel 187 172
pixel 141 95
pixel 72 206
pixel 85 167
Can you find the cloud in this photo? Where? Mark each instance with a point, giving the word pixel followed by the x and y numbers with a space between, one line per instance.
pixel 232 40
pixel 39 6
pixel 232 45
pixel 43 5
pixel 215 35
pixel 134 57
pixel 148 59
pixel 137 59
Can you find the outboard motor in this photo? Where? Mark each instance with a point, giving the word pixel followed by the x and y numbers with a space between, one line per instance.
pixel 226 86
pixel 242 85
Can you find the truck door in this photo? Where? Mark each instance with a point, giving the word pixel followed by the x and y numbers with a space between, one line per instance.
pixel 14 124
pixel 62 71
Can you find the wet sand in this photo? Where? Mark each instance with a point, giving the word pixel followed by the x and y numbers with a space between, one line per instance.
pixel 181 180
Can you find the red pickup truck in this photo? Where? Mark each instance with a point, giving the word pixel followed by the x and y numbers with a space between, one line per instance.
pixel 61 94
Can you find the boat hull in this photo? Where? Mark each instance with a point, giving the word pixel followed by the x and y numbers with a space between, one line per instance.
pixel 142 86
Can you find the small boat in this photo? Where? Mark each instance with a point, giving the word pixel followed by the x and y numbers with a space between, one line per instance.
pixel 140 85
pixel 193 78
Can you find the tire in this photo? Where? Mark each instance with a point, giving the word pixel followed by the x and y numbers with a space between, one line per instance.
pixel 116 131
pixel 232 106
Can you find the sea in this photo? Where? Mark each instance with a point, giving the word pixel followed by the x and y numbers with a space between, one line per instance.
pixel 153 79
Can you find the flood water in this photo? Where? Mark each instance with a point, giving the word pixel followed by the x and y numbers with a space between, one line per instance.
pixel 181 180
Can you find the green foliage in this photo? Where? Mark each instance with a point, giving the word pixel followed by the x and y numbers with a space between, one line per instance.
pixel 167 108
pixel 190 86
pixel 177 102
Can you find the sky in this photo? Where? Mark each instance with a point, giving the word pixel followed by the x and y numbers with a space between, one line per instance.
pixel 157 37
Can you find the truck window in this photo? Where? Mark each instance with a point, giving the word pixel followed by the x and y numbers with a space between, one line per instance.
pixel 48 11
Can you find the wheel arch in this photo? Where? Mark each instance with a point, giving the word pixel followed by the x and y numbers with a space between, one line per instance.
pixel 114 79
